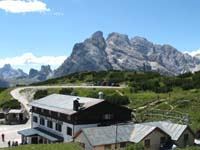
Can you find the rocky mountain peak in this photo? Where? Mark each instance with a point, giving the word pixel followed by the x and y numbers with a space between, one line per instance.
pixel 121 53
pixel 7 72
pixel 140 41
pixel 7 67
pixel 98 34
pixel 46 68
pixel 89 55
pixel 97 40
pixel 33 73
pixel 118 39
pixel 41 75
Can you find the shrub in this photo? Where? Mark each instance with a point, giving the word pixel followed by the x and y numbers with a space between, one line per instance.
pixel 137 146
pixel 117 99
pixel 11 104
pixel 93 94
pixel 66 91
pixel 40 94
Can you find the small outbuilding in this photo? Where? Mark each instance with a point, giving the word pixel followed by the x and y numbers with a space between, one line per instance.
pixel 16 116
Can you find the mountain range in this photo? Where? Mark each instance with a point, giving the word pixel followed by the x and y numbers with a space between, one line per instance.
pixel 116 52
pixel 10 76
pixel 119 52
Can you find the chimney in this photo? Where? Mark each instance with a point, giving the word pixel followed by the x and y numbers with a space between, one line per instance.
pixel 76 104
pixel 101 95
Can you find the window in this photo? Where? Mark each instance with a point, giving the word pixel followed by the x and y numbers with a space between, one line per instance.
pixel 162 140
pixel 58 127
pixel 186 137
pixel 42 110
pixel 35 108
pixel 35 119
pixel 50 112
pixel 58 114
pixel 49 124
pixel 69 131
pixel 108 116
pixel 42 121
pixel 68 118
pixel 147 143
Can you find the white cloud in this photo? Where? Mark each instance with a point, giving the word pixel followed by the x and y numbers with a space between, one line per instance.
pixel 23 6
pixel 193 53
pixel 28 61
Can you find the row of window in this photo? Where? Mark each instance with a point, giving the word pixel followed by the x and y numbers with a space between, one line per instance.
pixel 105 116
pixel 49 112
pixel 58 126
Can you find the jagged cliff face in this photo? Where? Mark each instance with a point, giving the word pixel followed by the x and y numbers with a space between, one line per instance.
pixel 89 55
pixel 121 53
pixel 42 75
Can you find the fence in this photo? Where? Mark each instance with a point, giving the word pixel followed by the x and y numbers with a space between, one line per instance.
pixel 163 114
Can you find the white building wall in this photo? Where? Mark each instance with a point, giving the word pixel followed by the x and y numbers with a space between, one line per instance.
pixel 34 124
pixel 67 138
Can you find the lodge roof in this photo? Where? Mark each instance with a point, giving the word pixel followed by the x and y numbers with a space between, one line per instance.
pixel 64 103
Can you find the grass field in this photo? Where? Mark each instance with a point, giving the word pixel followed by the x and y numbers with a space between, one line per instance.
pixel 62 146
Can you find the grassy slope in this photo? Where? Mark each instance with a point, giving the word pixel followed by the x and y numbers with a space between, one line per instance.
pixel 63 146
pixel 5 98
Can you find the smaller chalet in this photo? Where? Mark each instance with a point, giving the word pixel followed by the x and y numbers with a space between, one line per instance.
pixel 57 118
pixel 153 136
pixel 16 116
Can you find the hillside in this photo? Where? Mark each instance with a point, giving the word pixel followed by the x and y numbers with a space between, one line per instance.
pixel 137 80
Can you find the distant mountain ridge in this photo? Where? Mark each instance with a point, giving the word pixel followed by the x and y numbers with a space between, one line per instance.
pixel 10 76
pixel 118 52
pixel 7 72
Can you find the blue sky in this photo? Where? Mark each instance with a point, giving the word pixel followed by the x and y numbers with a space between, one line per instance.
pixel 53 29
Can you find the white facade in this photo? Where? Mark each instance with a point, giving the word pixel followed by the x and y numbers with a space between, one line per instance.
pixel 64 126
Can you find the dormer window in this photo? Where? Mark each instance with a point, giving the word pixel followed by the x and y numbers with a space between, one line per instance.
pixel 35 108
pixel 68 118
pixel 108 116
pixel 58 115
